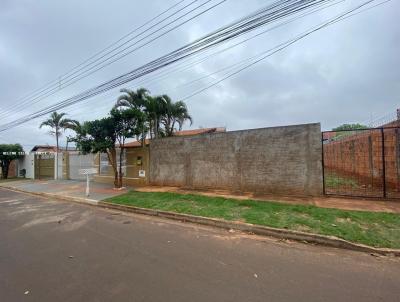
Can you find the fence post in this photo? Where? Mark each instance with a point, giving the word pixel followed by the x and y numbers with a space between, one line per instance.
pixel 383 162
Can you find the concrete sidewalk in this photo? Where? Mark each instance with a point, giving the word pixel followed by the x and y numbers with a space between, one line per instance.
pixel 65 188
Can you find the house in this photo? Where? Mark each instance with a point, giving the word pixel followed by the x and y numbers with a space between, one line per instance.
pixel 136 162
pixel 44 149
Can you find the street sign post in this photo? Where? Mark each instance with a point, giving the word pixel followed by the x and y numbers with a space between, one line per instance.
pixel 88 172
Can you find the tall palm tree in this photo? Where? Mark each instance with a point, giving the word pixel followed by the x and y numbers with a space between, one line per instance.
pixel 138 99
pixel 57 123
pixel 132 99
pixel 174 113
pixel 77 127
pixel 155 109
pixel 159 111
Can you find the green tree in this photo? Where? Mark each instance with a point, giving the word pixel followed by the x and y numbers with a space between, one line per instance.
pixel 162 115
pixel 76 127
pixel 350 127
pixel 108 135
pixel 155 108
pixel 57 123
pixel 132 99
pixel 345 130
pixel 174 114
pixel 137 100
pixel 9 152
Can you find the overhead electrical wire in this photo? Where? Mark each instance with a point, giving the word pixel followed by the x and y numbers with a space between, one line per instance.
pixel 166 73
pixel 341 17
pixel 272 12
pixel 217 34
pixel 71 79
pixel 265 54
pixel 276 10
pixel 61 77
pixel 104 49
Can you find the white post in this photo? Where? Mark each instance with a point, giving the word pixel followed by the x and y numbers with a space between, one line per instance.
pixel 87 172
pixel 56 169
pixel 87 185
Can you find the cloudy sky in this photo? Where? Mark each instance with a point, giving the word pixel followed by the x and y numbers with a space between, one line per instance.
pixel 348 72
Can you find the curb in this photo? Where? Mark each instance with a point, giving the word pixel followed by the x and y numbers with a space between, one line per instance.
pixel 86 201
pixel 330 241
pixel 324 240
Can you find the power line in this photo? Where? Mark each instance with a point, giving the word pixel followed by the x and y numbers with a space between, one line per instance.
pixel 285 45
pixel 268 14
pixel 243 20
pixel 104 49
pixel 55 87
pixel 241 62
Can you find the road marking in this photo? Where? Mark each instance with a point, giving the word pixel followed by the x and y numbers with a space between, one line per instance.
pixel 10 201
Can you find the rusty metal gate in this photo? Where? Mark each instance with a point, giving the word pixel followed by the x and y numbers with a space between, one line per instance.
pixel 44 166
pixel 362 163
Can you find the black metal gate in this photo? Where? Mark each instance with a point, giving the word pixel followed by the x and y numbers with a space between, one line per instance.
pixel 362 163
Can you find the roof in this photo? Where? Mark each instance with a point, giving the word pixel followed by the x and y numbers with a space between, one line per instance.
pixel 136 144
pixel 48 148
pixel 44 148
pixel 181 133
pixel 199 131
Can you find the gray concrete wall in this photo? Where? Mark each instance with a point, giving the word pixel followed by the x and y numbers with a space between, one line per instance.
pixel 280 160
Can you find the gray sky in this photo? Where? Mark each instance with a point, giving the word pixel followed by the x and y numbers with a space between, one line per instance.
pixel 346 73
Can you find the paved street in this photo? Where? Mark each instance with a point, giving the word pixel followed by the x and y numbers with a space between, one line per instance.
pixel 60 251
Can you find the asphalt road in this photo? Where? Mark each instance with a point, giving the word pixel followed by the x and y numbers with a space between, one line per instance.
pixel 60 251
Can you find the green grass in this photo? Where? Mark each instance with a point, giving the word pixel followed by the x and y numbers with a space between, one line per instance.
pixel 334 181
pixel 374 229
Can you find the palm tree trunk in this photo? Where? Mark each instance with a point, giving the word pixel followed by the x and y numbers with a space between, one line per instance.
pixel 56 161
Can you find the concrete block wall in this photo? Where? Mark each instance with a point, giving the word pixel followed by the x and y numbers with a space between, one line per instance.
pixel 279 160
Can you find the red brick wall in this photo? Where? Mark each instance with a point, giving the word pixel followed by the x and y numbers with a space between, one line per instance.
pixel 361 155
pixel 12 170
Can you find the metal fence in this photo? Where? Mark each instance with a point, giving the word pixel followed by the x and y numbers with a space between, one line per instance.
pixel 79 161
pixel 362 163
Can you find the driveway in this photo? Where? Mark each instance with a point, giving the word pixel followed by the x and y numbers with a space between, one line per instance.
pixel 61 251
pixel 71 188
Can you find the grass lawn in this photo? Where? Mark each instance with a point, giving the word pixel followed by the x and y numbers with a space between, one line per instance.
pixel 374 229
pixel 334 181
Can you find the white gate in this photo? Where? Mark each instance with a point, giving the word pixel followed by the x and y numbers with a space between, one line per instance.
pixel 80 161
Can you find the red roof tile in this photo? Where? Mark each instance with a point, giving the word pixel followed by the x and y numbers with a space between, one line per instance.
pixel 181 133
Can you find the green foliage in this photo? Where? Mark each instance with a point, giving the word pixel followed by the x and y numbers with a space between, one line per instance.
pixel 107 134
pixel 345 130
pixel 9 152
pixel 374 229
pixel 333 180
pixel 161 114
pixel 350 127
pixel 57 123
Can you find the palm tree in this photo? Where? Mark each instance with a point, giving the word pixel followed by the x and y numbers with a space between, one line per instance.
pixel 175 113
pixel 132 99
pixel 138 99
pixel 159 111
pixel 57 123
pixel 155 108
pixel 77 127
